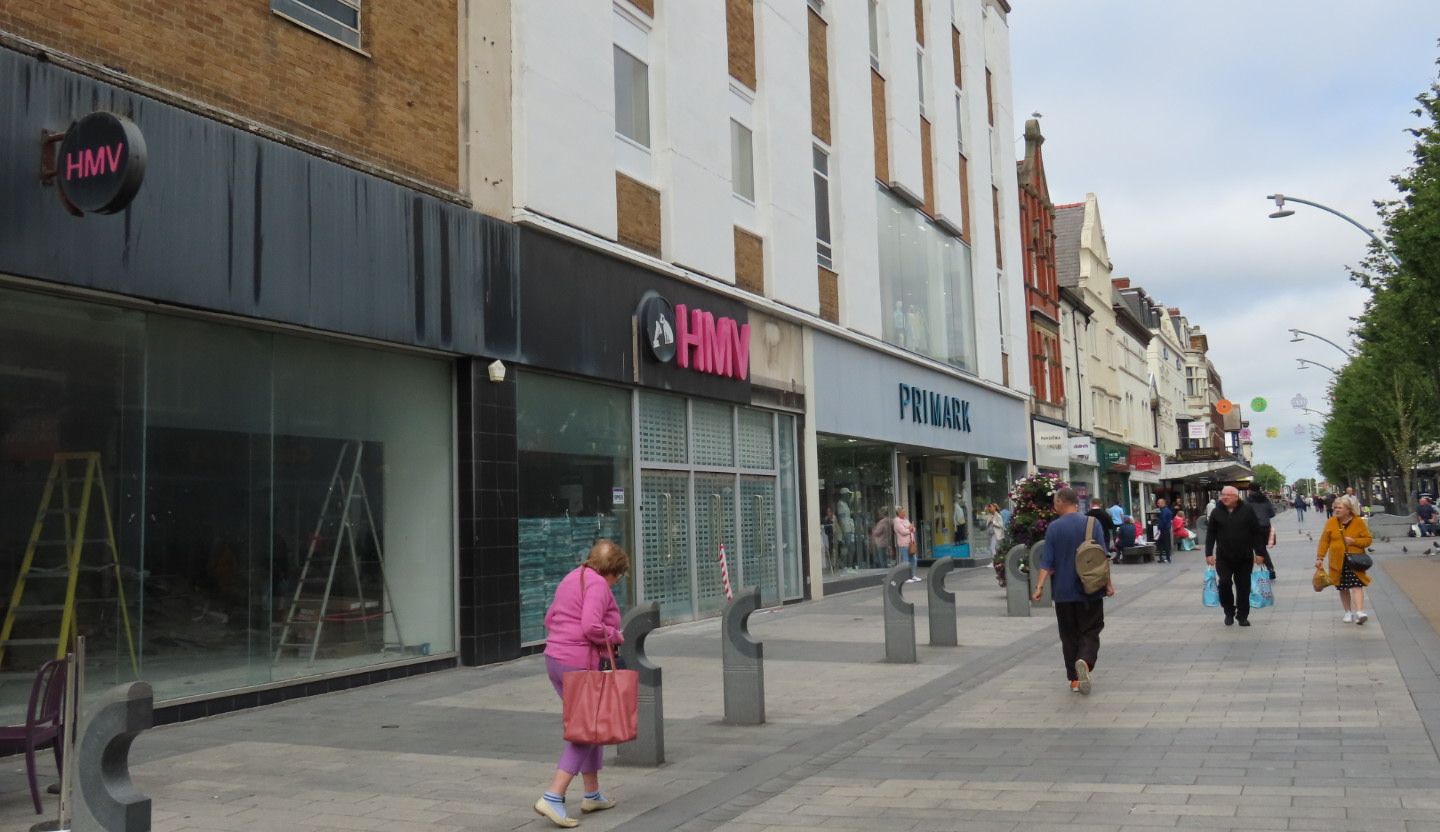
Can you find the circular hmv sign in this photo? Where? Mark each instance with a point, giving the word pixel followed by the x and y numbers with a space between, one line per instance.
pixel 657 326
pixel 101 163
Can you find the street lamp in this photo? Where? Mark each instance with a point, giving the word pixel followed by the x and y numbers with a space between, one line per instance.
pixel 1281 212
pixel 1306 361
pixel 1312 410
pixel 1296 339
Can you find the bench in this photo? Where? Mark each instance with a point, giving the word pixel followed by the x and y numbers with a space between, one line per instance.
pixel 1144 553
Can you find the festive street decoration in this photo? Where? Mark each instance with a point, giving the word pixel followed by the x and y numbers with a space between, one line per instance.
pixel 1272 433
pixel 1258 405
pixel 1224 406
pixel 1299 402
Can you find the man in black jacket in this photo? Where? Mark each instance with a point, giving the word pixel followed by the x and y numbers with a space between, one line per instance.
pixel 1233 530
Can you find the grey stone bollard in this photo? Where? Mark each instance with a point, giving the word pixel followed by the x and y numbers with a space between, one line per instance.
pixel 1017 584
pixel 941 605
pixel 648 747
pixel 743 659
pixel 107 800
pixel 1045 599
pixel 899 618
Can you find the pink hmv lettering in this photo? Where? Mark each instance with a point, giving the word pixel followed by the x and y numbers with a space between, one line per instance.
pixel 706 344
pixel 93 161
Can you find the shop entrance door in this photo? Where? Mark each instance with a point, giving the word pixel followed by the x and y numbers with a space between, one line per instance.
pixel 714 527
pixel 665 542
pixel 761 563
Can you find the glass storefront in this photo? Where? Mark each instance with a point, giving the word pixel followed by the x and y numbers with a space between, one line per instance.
pixel 857 504
pixel 715 478
pixel 248 506
pixel 990 483
pixel 574 442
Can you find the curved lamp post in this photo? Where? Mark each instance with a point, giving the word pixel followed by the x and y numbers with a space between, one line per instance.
pixel 1296 339
pixel 1281 212
pixel 1306 361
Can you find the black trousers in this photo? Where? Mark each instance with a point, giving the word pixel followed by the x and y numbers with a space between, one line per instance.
pixel 1080 623
pixel 1162 544
pixel 1235 585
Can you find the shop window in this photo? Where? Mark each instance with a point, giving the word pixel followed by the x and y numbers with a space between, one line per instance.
pixel 231 460
pixel 925 286
pixel 757 439
pixel 857 502
pixel 713 434
pixel 574 443
pixel 663 436
pixel 792 578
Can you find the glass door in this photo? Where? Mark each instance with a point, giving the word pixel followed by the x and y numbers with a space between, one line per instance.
pixel 714 528
pixel 758 528
pixel 665 542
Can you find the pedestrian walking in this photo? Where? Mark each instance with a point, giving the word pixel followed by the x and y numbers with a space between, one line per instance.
pixel 1329 505
pixel 1346 533
pixel 1300 507
pixel 1164 533
pixel 583 620
pixel 905 539
pixel 1117 514
pixel 1080 616
pixel 1230 540
pixel 994 526
pixel 1265 513
pixel 882 537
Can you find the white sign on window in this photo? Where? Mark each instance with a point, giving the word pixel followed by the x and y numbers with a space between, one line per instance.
pixel 1052 446
pixel 1199 430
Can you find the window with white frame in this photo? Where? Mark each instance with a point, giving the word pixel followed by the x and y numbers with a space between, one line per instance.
pixel 874 19
pixel 824 253
pixel 920 76
pixel 742 161
pixel 632 97
pixel 335 19
pixel 960 119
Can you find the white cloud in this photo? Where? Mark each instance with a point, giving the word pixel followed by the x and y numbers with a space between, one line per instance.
pixel 1182 115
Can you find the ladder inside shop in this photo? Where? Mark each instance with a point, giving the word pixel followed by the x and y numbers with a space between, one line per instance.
pixel 344 514
pixel 50 558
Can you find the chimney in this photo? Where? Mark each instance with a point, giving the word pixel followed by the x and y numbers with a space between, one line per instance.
pixel 1174 311
pixel 1121 282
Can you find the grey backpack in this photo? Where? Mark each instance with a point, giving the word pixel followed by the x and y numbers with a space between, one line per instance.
pixel 1092 562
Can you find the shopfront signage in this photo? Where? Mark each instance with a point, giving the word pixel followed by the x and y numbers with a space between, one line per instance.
pixel 694 339
pixel 1113 456
pixel 100 163
pixel 1052 445
pixel 1198 430
pixel 926 407
pixel 1142 459
pixel 1082 448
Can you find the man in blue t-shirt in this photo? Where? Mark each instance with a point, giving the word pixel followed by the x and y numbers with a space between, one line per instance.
pixel 1079 616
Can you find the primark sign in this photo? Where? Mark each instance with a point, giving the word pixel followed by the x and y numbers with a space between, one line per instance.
pixel 926 407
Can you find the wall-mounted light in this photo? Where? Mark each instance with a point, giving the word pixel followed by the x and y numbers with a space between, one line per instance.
pixel 497 371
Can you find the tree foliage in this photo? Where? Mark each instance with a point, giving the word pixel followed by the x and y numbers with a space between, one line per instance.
pixel 1269 478
pixel 1385 415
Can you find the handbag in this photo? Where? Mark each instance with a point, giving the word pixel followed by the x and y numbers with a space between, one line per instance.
pixel 1261 595
pixel 1320 580
pixel 1359 562
pixel 600 707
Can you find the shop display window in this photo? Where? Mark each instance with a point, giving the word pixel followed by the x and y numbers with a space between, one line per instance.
pixel 857 504
pixel 234 467
pixel 574 441
pixel 926 291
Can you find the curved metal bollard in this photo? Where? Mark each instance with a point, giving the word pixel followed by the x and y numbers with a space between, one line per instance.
pixel 108 801
pixel 1017 584
pixel 941 605
pixel 648 747
pixel 1045 599
pixel 899 617
pixel 743 659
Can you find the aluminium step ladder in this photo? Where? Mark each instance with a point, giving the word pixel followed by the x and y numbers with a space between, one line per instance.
pixel 346 506
pixel 76 516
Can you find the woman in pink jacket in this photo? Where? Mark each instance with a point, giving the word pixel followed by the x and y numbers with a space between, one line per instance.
pixel 581 621
pixel 905 538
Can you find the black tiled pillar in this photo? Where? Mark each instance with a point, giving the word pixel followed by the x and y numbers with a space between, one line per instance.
pixel 489 531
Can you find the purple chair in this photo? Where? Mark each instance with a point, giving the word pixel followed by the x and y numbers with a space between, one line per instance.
pixel 44 723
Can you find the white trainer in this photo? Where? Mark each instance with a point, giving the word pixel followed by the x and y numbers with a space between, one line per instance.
pixel 1361 617
pixel 1349 617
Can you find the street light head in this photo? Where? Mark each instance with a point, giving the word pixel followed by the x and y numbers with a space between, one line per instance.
pixel 1282 214
pixel 1281 211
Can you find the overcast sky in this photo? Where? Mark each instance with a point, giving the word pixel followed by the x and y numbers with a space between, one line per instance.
pixel 1181 115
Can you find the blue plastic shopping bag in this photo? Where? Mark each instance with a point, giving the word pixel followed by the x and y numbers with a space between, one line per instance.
pixel 1211 595
pixel 1262 594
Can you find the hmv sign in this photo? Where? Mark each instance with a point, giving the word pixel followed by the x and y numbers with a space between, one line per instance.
pixel 100 163
pixel 694 339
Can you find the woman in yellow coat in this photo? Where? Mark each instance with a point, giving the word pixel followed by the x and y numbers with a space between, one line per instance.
pixel 1344 533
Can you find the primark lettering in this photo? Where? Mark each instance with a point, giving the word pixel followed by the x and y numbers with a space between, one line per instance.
pixel 927 407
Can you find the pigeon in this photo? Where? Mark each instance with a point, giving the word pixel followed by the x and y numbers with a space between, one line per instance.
pixel 1405 549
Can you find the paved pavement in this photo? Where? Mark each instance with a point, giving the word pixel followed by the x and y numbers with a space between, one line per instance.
pixel 1300 722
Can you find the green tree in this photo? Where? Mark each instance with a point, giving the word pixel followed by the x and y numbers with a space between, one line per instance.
pixel 1269 478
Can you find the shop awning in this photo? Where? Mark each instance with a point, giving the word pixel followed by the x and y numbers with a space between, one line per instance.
pixel 1210 471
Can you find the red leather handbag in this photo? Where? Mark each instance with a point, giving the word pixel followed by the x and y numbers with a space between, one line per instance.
pixel 601 707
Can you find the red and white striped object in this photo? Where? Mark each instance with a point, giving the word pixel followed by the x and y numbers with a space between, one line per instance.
pixel 725 574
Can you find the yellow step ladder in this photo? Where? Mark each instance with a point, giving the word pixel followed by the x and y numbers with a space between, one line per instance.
pixel 75 511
